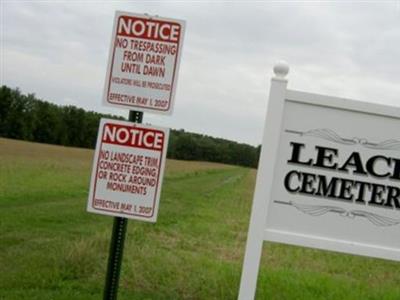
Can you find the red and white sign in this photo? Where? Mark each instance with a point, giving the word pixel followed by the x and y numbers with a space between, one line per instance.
pixel 143 62
pixel 128 169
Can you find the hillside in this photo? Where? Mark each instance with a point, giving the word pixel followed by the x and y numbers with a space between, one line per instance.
pixel 51 248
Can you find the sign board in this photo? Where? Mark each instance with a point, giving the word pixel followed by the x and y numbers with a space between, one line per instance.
pixel 328 178
pixel 128 169
pixel 143 62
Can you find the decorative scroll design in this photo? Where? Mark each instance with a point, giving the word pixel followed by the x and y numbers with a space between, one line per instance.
pixel 385 145
pixel 318 210
pixel 330 135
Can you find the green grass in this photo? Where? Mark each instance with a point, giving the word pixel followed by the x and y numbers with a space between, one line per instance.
pixel 51 248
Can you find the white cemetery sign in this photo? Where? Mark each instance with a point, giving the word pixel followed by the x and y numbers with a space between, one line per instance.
pixel 328 177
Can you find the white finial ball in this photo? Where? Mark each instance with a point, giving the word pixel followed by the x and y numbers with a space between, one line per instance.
pixel 281 69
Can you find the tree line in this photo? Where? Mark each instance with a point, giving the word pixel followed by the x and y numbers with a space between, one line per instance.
pixel 27 118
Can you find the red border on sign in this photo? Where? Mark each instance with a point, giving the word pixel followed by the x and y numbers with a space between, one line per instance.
pixel 97 169
pixel 173 72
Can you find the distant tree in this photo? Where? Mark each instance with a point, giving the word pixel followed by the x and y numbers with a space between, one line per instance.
pixel 13 113
pixel 48 124
pixel 5 107
pixel 186 147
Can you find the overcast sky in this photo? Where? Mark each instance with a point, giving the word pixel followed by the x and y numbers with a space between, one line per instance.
pixel 59 49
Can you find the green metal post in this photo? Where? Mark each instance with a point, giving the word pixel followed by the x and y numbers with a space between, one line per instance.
pixel 117 241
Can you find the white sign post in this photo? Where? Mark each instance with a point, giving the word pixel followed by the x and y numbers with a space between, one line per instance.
pixel 128 169
pixel 143 62
pixel 328 177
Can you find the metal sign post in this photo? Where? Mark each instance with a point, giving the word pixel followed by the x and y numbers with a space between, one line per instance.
pixel 115 258
pixel 142 74
pixel 117 241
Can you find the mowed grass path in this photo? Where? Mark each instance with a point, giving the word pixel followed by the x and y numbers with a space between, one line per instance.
pixel 51 248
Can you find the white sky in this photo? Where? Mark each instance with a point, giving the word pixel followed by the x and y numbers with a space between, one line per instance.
pixel 58 50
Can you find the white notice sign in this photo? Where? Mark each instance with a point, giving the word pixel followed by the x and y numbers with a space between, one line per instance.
pixel 128 169
pixel 143 62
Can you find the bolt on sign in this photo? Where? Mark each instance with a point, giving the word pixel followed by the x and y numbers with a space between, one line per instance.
pixel 328 178
pixel 143 62
pixel 128 169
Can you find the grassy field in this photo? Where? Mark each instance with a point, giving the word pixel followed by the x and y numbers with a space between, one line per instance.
pixel 50 248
